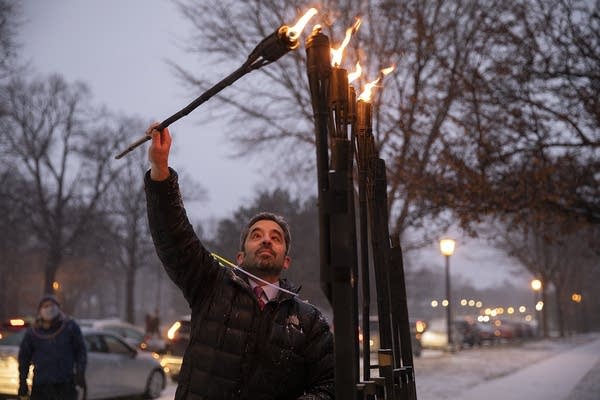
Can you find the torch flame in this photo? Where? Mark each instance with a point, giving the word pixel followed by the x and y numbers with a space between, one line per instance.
pixel 352 76
pixel 294 31
pixel 366 93
pixel 336 54
pixel 388 70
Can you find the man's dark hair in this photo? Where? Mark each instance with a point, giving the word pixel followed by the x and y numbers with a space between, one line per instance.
pixel 272 217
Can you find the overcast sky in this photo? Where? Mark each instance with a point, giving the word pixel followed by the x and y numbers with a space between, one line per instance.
pixel 119 49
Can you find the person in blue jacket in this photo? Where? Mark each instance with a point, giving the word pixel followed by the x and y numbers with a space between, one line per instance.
pixel 55 346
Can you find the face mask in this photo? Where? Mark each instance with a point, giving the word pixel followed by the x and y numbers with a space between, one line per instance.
pixel 48 313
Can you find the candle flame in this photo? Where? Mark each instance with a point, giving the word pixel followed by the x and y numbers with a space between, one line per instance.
pixel 336 54
pixel 367 91
pixel 352 76
pixel 388 70
pixel 295 30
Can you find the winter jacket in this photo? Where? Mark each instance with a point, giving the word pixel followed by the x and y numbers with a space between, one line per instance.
pixel 237 351
pixel 58 353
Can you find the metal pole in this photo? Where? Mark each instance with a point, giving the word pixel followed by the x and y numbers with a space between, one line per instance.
pixel 538 328
pixel 449 307
pixel 270 49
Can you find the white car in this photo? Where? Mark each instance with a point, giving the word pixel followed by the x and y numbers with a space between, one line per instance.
pixel 114 368
pixel 131 333
pixel 178 338
pixel 436 336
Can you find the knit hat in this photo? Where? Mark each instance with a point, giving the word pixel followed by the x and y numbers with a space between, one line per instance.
pixel 48 297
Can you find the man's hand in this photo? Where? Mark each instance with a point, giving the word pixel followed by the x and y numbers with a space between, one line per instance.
pixel 158 153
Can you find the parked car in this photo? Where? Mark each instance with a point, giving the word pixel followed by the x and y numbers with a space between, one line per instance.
pixel 436 337
pixel 504 330
pixel 131 333
pixel 486 333
pixel 14 325
pixel 469 331
pixel 178 337
pixel 114 368
pixel 416 329
pixel 9 364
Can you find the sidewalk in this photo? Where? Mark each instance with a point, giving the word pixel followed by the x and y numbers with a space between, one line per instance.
pixel 589 387
pixel 573 374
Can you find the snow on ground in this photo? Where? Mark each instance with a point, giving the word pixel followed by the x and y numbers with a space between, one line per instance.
pixel 169 392
pixel 446 376
pixel 441 376
pixel 551 378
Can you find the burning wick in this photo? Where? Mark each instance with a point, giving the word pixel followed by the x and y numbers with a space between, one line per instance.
pixel 280 42
pixel 352 76
pixel 366 93
pixel 270 49
pixel 336 54
pixel 294 32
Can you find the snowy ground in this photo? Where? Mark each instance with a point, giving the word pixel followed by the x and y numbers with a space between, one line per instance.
pixel 508 371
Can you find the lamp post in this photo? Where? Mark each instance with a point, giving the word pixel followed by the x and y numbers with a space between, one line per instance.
pixel 536 285
pixel 577 315
pixel 447 249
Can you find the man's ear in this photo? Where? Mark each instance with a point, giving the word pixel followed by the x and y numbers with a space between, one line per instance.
pixel 286 262
pixel 239 257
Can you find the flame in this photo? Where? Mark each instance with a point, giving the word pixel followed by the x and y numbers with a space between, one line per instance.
pixel 366 93
pixel 388 70
pixel 336 54
pixel 352 76
pixel 295 30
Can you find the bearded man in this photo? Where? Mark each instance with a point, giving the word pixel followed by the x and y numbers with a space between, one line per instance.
pixel 251 336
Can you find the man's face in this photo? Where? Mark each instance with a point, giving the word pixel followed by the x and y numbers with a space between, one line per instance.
pixel 264 250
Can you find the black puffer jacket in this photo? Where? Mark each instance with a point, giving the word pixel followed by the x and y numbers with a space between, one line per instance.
pixel 237 351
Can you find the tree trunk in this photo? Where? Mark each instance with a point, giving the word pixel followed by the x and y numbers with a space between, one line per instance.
pixel 545 311
pixel 50 268
pixel 560 315
pixel 130 292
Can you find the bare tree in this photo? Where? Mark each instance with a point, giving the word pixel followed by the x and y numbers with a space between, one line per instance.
pixel 9 22
pixel 14 243
pixel 126 225
pixel 63 148
pixel 479 88
pixel 126 212
pixel 558 252
pixel 530 117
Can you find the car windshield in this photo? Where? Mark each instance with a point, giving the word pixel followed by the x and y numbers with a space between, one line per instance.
pixel 12 338
pixel 125 332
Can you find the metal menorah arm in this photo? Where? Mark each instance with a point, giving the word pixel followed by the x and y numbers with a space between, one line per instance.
pixel 270 49
pixel 190 107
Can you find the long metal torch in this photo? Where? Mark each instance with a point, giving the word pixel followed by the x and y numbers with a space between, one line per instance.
pixel 270 49
pixel 364 139
pixel 318 64
pixel 329 94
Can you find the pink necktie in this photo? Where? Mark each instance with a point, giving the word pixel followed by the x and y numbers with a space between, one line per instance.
pixel 260 293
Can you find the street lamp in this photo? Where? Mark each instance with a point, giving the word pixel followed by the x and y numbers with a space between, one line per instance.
pixel 447 249
pixel 536 285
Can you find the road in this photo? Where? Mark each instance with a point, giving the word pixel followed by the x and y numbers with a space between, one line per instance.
pixel 551 369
